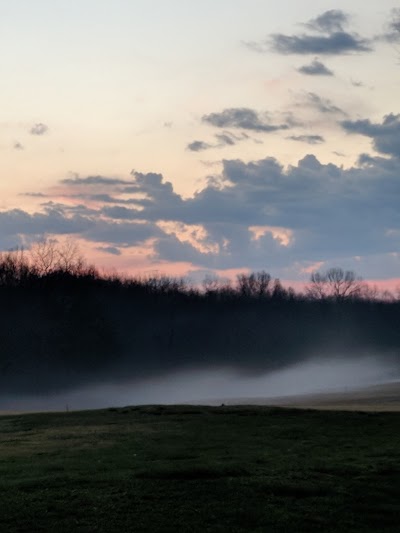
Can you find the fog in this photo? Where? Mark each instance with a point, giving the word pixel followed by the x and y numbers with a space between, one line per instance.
pixel 212 386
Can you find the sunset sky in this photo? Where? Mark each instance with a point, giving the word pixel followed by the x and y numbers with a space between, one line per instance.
pixel 182 138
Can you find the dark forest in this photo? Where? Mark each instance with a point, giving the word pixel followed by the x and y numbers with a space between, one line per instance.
pixel 63 324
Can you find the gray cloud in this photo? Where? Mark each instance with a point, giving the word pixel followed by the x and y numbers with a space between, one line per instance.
pixel 100 197
pixel 64 209
pixel 18 226
pixel 339 43
pixel 305 199
pixel 310 212
pixel 316 68
pixel 309 139
pixel 392 33
pixel 223 139
pixel 226 139
pixel 112 250
pixel 385 136
pixel 323 105
pixel 329 37
pixel 16 223
pixel 330 21
pixel 333 41
pixel 156 192
pixel 122 233
pixel 120 212
pixel 198 146
pixel 18 146
pixel 243 118
pixel 39 129
pixel 93 180
pixel 34 194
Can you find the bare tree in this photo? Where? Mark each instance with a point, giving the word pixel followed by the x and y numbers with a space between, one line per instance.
pixel 14 266
pixel 398 292
pixel 69 257
pixel 211 284
pixel 317 290
pixel 387 296
pixel 48 255
pixel 44 256
pixel 335 283
pixel 255 284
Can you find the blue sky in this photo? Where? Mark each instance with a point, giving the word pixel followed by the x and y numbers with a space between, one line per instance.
pixel 185 138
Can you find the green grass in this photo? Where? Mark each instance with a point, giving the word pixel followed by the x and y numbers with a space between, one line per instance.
pixel 178 469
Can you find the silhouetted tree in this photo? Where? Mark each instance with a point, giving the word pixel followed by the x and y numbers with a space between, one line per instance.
pixel 253 285
pixel 14 267
pixel 49 255
pixel 335 283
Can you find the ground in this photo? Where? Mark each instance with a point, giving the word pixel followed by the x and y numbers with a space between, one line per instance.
pixel 194 468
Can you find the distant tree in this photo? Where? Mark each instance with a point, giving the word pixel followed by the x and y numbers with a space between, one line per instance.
pixel 256 284
pixel 211 284
pixel 335 283
pixel 44 256
pixel 69 257
pixel 398 292
pixel 387 296
pixel 48 255
pixel 14 267
pixel 278 291
pixel 161 284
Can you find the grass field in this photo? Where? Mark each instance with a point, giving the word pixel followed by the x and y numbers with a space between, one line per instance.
pixel 183 468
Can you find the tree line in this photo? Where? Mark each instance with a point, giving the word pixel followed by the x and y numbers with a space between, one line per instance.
pixel 64 324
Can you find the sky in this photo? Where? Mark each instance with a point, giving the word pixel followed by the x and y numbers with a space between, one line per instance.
pixel 204 139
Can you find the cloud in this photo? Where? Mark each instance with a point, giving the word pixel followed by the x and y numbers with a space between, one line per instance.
pixel 122 233
pixel 227 139
pixel 316 68
pixel 112 250
pixel 328 38
pixel 330 21
pixel 306 213
pixel 242 118
pixel 223 139
pixel 385 136
pixel 93 180
pixel 392 33
pixel 309 139
pixel 323 105
pixel 65 209
pixel 16 224
pixel 302 201
pixel 120 212
pixel 198 146
pixel 39 129
pixel 339 43
pixel 18 146
pixel 34 194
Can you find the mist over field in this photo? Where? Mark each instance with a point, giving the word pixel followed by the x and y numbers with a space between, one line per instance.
pixel 316 375
pixel 72 337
